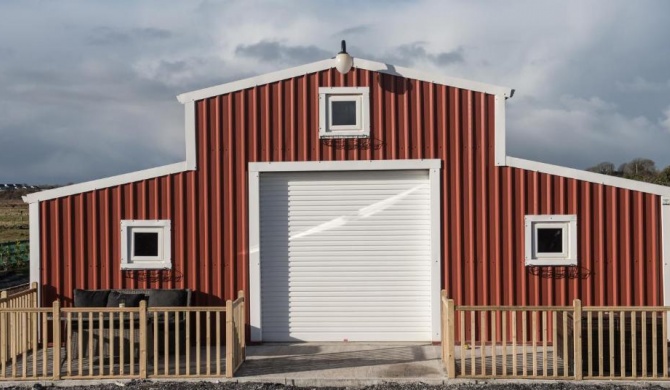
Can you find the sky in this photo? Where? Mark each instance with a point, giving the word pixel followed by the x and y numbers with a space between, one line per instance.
pixel 88 88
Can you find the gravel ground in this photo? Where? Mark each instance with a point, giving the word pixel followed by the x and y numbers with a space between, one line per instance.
pixel 149 385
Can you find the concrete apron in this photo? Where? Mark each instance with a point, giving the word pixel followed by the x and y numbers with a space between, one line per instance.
pixel 342 364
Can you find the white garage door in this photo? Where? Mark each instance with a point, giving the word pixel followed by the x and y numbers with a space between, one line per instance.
pixel 345 256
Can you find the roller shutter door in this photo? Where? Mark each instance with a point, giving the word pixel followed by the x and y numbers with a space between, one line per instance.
pixel 345 256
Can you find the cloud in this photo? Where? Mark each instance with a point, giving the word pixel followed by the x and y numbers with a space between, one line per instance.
pixel 351 31
pixel 412 53
pixel 89 90
pixel 588 131
pixel 641 85
pixel 272 51
pixel 105 36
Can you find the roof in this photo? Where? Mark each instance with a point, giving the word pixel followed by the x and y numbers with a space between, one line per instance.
pixel 330 63
pixel 189 98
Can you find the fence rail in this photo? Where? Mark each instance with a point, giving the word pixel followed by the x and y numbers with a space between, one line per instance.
pixel 555 342
pixel 121 342
pixel 20 297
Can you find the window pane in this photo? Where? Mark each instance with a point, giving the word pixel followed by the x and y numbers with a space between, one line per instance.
pixel 343 113
pixel 146 244
pixel 549 240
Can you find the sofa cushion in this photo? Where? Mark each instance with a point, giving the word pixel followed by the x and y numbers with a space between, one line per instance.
pixel 167 298
pixel 131 300
pixel 90 298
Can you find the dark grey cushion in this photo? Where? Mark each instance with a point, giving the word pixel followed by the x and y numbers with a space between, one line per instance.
pixel 90 298
pixel 131 300
pixel 167 298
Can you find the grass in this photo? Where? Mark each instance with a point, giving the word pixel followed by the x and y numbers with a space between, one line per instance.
pixel 13 216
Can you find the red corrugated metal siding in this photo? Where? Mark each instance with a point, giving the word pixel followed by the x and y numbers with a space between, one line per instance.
pixel 483 206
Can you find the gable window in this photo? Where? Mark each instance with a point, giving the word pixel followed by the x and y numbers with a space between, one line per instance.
pixel 145 244
pixel 344 112
pixel 551 240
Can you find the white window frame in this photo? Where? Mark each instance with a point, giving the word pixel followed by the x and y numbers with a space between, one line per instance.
pixel 164 258
pixel 359 95
pixel 568 223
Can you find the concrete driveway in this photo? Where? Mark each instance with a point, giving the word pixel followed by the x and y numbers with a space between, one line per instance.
pixel 342 364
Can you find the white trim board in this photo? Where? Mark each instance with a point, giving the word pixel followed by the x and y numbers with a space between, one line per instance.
pixel 330 63
pixel 591 177
pixel 255 169
pixel 106 182
pixel 34 236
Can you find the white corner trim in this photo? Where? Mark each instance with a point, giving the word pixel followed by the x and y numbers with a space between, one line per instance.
pixel 665 248
pixel 254 257
pixel 591 177
pixel 665 252
pixel 436 252
pixel 34 236
pixel 499 131
pixel 364 165
pixel 189 129
pixel 254 225
pixel 106 182
pixel 330 63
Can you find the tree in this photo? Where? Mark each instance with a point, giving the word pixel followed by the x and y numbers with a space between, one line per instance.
pixel 663 177
pixel 606 168
pixel 639 169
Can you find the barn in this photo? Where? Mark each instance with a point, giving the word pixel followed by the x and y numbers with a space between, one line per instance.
pixel 342 203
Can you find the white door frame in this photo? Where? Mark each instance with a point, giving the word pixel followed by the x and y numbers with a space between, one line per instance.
pixel 433 166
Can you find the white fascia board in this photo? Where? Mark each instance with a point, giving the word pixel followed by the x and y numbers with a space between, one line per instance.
pixel 34 236
pixel 256 80
pixel 433 78
pixel 330 63
pixel 365 165
pixel 107 182
pixel 591 177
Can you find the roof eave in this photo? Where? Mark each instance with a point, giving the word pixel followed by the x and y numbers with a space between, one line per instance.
pixel 330 63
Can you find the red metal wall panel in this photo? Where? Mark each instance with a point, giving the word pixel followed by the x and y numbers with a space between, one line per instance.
pixel 483 206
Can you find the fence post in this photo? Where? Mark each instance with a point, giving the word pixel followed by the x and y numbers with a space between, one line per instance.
pixel 577 329
pixel 229 339
pixel 143 339
pixel 4 346
pixel 451 356
pixel 56 341
pixel 243 326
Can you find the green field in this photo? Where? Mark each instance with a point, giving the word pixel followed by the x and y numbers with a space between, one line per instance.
pixel 13 217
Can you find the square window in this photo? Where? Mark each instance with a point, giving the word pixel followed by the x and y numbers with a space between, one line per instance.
pixel 344 112
pixel 551 240
pixel 145 244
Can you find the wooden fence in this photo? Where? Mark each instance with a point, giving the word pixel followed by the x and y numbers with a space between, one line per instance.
pixel 569 342
pixel 121 342
pixel 17 298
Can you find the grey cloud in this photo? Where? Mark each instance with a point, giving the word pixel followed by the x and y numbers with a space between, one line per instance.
pixel 102 36
pixel 356 30
pixel 151 33
pixel 107 36
pixel 409 54
pixel 273 51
